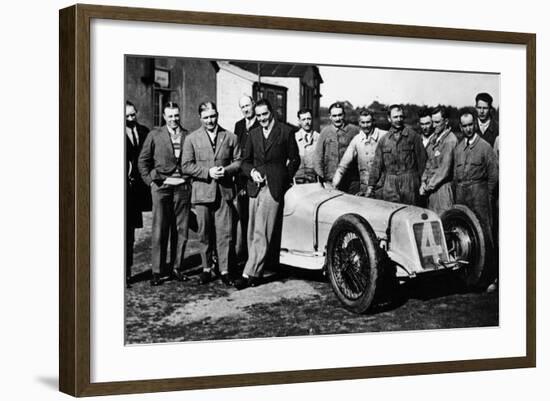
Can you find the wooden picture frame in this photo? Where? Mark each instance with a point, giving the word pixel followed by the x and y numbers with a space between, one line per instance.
pixel 75 205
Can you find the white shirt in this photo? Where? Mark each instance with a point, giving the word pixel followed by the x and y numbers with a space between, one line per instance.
pixel 212 135
pixel 132 135
pixel 483 126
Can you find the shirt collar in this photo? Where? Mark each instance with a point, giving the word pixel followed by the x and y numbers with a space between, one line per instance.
pixel 471 142
pixel 176 133
pixel 267 130
pixel 427 140
pixel 442 136
pixel 302 134
pixel 342 128
pixel 214 134
pixel 483 126
pixel 401 131
pixel 373 137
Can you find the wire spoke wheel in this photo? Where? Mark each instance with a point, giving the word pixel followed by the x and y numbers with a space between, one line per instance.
pixel 352 261
pixel 352 272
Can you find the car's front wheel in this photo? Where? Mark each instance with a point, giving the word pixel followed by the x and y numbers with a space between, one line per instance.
pixel 353 262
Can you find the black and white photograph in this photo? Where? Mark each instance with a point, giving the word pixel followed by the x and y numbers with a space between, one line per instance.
pixel 276 199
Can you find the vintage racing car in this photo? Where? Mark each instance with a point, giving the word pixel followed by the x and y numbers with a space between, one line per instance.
pixel 361 240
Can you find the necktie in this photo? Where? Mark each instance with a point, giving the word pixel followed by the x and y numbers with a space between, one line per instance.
pixel 136 138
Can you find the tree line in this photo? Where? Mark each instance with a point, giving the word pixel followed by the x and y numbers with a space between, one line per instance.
pixel 412 113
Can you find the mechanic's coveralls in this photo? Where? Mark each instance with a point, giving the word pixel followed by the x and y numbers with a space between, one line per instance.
pixel 401 156
pixel 438 175
pixel 476 178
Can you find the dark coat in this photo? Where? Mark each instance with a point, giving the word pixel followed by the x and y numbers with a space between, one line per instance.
pixel 138 196
pixel 491 133
pixel 242 135
pixel 276 158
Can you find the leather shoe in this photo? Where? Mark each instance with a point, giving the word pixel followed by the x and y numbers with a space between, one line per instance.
pixel 206 277
pixel 226 280
pixel 155 280
pixel 178 275
pixel 243 282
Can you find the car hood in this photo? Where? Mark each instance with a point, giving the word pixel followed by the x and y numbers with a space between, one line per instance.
pixel 376 212
pixel 325 205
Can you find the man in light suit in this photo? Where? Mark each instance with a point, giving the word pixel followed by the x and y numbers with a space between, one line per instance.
pixel 160 167
pixel 271 158
pixel 242 130
pixel 138 197
pixel 212 156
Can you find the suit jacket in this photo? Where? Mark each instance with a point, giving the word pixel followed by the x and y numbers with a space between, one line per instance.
pixel 242 135
pixel 198 157
pixel 157 160
pixel 276 158
pixel 491 133
pixel 138 196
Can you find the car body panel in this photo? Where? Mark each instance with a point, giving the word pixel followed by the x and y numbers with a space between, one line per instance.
pixel 415 240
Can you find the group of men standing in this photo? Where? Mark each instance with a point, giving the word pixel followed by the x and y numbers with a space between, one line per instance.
pixel 236 181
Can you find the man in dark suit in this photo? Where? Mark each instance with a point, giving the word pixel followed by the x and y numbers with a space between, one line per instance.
pixel 160 167
pixel 271 158
pixel 138 198
pixel 488 126
pixel 212 156
pixel 242 130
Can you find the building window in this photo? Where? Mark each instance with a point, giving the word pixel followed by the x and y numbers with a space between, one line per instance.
pixel 276 95
pixel 160 97
pixel 307 96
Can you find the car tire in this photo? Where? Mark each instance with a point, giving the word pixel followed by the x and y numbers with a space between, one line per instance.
pixel 353 262
pixel 467 241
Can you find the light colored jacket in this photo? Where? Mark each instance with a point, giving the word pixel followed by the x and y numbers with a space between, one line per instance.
pixel 306 147
pixel 198 158
pixel 362 149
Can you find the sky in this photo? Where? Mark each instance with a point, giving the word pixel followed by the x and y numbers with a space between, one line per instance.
pixel 361 86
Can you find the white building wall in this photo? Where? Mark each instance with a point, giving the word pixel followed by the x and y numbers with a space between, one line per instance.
pixel 292 97
pixel 232 84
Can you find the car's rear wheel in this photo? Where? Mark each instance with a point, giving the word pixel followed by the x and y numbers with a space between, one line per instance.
pixel 466 241
pixel 353 262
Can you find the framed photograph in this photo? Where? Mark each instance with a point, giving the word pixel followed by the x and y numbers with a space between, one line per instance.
pixel 291 200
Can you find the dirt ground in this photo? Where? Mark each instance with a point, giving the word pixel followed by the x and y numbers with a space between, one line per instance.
pixel 301 303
